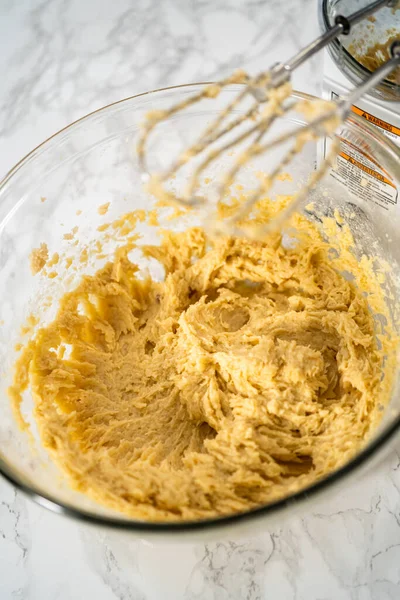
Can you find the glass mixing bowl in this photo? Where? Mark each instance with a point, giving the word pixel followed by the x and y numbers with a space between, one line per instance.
pixel 373 32
pixel 93 161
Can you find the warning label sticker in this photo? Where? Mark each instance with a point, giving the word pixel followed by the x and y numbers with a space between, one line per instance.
pixel 368 170
pixel 363 180
pixel 359 172
pixel 390 130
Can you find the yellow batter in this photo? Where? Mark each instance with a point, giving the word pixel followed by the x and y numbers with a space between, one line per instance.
pixel 249 373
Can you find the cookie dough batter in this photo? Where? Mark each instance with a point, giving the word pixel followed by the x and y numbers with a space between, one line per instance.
pixel 249 373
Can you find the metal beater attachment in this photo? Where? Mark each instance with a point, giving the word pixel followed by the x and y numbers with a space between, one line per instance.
pixel 270 99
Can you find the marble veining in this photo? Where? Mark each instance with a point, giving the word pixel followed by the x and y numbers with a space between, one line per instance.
pixel 59 60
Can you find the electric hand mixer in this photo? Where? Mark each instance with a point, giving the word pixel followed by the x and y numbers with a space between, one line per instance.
pixel 270 98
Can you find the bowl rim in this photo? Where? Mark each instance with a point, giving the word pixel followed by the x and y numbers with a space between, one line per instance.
pixel 297 499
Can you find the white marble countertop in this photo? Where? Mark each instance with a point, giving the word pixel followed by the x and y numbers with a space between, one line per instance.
pixel 60 59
